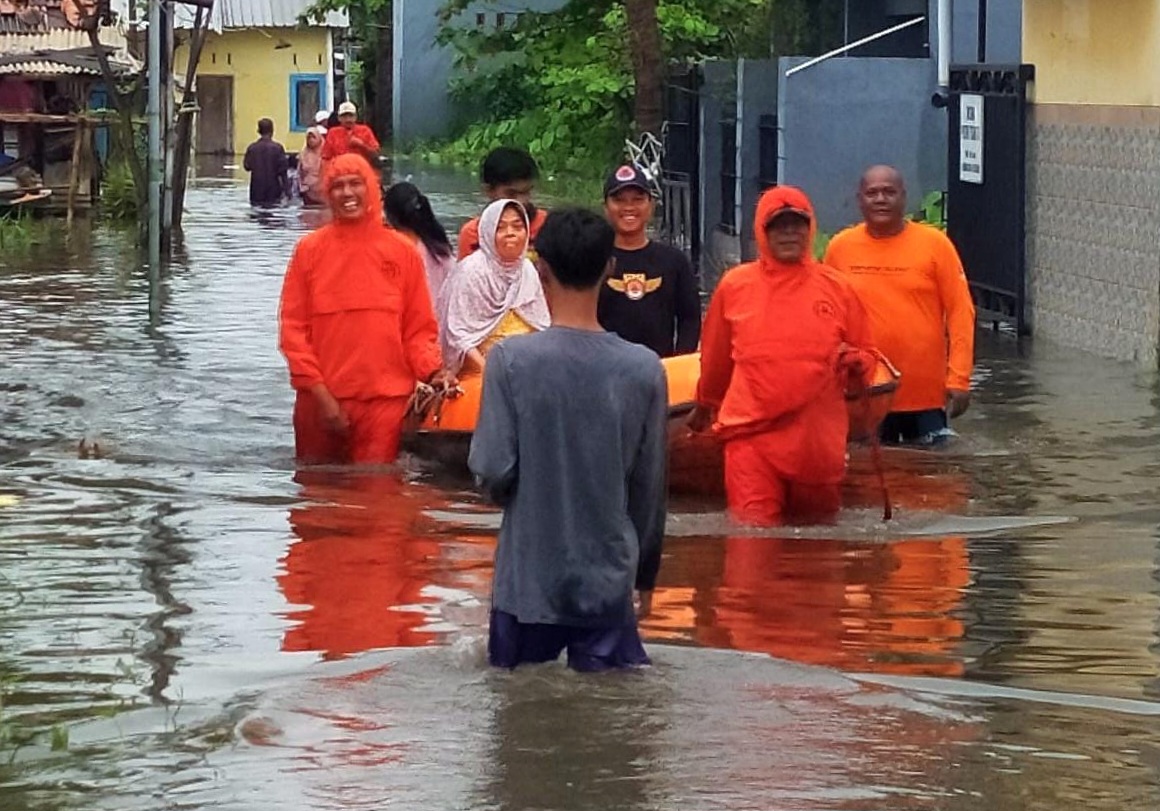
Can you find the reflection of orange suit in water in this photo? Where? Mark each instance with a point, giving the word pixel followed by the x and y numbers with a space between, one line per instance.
pixel 358 556
pixel 773 367
pixel 884 608
pixel 356 316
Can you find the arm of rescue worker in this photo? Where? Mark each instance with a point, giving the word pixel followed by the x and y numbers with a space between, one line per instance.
pixel 294 326
pixel 688 309
pixel 370 143
pixel 648 485
pixel 955 296
pixel 468 239
pixel 716 352
pixel 420 329
pixel 494 455
pixel 859 358
pixel 330 144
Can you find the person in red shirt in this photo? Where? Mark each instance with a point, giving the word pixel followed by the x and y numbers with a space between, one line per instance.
pixel 507 173
pixel 356 326
pixel 784 339
pixel 350 136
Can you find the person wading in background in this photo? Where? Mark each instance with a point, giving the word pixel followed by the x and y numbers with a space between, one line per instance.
pixel 784 339
pixel 571 442
pixel 356 327
pixel 653 296
pixel 350 136
pixel 911 281
pixel 267 164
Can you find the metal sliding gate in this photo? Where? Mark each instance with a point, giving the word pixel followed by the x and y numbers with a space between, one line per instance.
pixel 987 185
pixel 680 183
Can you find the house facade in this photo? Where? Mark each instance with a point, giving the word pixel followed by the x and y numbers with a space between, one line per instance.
pixel 1093 208
pixel 259 62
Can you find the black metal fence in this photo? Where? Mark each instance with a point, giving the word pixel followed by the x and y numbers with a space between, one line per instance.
pixel 680 181
pixel 728 220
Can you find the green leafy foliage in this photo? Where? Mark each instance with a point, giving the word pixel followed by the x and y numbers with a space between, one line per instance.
pixel 119 194
pixel 560 83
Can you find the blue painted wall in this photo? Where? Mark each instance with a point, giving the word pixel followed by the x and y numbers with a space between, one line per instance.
pixel 422 106
pixel 843 115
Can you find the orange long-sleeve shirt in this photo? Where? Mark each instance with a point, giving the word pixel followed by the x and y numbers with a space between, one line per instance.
pixel 770 352
pixel 919 305
pixel 338 142
pixel 469 233
pixel 356 313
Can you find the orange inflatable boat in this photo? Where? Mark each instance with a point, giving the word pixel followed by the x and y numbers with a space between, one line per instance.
pixel 695 461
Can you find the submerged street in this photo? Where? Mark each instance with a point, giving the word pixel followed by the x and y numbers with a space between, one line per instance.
pixel 195 624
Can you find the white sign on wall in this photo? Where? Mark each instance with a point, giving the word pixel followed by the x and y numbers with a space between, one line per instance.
pixel 971 138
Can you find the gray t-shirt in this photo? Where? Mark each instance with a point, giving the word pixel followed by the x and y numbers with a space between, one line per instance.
pixel 571 442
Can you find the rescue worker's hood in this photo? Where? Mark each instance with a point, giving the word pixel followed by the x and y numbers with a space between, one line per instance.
pixel 771 203
pixel 354 164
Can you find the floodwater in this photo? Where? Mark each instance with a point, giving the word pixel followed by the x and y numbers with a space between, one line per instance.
pixel 188 623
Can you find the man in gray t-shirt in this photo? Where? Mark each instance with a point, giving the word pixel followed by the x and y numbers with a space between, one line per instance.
pixel 571 443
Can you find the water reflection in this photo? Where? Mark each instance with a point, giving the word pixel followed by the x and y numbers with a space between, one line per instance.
pixel 360 563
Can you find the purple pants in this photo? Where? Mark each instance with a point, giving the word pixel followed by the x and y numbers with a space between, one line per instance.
pixel 590 650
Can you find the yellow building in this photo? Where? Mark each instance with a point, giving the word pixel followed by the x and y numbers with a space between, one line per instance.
pixel 1093 208
pixel 258 62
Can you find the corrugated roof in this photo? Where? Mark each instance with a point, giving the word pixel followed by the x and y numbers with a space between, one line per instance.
pixel 235 14
pixel 41 68
pixel 59 39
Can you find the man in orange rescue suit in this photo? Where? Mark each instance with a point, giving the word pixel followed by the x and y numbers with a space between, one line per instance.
pixel 784 339
pixel 356 326
pixel 653 296
pixel 911 281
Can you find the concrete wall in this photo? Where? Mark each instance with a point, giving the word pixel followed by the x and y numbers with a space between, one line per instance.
pixel 1093 51
pixel 1004 31
pixel 262 74
pixel 1093 209
pixel 843 115
pixel 719 250
pixel 423 69
pixel 757 86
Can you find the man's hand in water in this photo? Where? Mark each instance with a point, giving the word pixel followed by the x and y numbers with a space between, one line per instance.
pixel 958 401
pixel 643 604
pixel 333 417
pixel 700 420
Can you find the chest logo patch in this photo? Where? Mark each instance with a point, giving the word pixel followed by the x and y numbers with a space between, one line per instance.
pixel 824 309
pixel 636 285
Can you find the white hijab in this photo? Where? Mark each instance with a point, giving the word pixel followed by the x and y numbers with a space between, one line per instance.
pixel 484 289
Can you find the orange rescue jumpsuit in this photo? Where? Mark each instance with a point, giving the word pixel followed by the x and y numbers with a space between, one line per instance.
pixel 356 316
pixel 338 142
pixel 774 370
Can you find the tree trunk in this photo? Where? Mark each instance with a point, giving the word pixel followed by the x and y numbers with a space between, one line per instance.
pixel 648 64
pixel 184 138
pixel 125 133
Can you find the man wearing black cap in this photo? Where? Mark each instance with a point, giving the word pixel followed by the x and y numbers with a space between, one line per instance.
pixel 653 295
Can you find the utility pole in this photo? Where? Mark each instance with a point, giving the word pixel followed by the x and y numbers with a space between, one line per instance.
pixel 156 159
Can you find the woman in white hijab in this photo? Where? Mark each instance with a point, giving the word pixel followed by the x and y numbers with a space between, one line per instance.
pixel 495 293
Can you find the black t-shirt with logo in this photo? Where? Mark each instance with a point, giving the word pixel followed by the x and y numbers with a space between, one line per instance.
pixel 653 298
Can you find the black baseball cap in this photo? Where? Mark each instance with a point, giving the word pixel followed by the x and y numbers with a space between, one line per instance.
pixel 626 177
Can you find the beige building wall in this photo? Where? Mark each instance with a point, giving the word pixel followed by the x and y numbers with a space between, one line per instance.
pixel 1093 209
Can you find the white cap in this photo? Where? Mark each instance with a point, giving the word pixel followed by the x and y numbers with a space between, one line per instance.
pixel 322 116
pixel 347 108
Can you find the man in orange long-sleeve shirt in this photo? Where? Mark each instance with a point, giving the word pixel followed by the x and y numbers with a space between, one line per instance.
pixel 350 136
pixel 356 327
pixel 783 340
pixel 911 281
pixel 506 173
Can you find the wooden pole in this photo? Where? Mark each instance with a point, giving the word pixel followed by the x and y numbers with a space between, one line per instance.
pixel 74 172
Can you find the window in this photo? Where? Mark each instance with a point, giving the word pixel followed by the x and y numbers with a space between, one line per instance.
pixel 307 97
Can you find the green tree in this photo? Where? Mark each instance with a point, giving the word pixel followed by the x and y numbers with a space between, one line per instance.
pixel 372 32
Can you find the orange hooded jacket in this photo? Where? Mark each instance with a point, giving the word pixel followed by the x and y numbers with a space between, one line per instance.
pixel 356 314
pixel 772 356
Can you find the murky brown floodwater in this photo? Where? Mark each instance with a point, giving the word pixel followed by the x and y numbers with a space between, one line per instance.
pixel 210 629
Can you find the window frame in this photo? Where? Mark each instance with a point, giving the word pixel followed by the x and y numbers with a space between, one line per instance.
pixel 296 80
